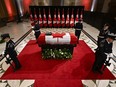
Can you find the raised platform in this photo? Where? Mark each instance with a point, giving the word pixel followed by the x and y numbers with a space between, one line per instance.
pixel 56 73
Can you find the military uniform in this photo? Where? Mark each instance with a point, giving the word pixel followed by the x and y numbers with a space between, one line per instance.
pixel 78 29
pixel 10 50
pixel 100 54
pixel 105 48
pixel 10 45
pixel 102 36
pixel 37 30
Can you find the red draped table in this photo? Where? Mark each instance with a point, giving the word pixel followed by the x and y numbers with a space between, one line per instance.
pixel 57 45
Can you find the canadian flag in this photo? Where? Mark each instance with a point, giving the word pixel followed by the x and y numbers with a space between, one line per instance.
pixel 58 19
pixel 32 23
pixel 35 15
pixel 77 17
pixel 40 19
pixel 63 19
pixel 72 20
pixel 81 16
pixel 64 39
pixel 55 19
pixel 67 19
pixel 49 19
pixel 44 20
pixel 31 17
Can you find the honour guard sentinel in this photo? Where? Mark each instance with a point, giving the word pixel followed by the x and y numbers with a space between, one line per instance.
pixel 104 51
pixel 103 33
pixel 78 28
pixel 36 29
pixel 10 50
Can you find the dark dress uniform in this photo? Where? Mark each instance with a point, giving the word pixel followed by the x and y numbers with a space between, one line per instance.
pixel 10 45
pixel 37 30
pixel 102 35
pixel 100 55
pixel 78 29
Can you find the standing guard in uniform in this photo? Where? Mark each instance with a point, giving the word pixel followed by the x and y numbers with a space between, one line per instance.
pixel 104 51
pixel 36 29
pixel 78 28
pixel 103 33
pixel 10 51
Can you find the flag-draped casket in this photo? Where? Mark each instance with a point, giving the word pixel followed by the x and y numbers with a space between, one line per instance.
pixel 58 38
pixel 57 42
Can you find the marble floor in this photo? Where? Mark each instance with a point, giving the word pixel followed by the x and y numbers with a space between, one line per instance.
pixel 17 30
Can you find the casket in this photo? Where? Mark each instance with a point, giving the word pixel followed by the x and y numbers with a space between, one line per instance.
pixel 64 42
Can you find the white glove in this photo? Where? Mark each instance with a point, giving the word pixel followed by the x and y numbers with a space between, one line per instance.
pixel 107 54
pixel 7 56
pixel 111 55
pixel 32 27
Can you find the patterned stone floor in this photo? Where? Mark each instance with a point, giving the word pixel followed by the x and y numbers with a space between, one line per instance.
pixel 29 83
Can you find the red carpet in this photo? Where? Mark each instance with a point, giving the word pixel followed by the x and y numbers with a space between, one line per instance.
pixel 56 73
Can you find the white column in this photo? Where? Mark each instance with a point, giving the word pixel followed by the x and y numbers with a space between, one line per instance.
pixel 93 5
pixel 20 6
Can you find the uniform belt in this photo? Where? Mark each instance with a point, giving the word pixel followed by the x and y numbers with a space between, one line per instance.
pixel 37 30
pixel 78 29
pixel 101 36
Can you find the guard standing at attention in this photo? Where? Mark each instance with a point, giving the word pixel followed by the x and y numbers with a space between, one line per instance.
pixel 37 29
pixel 103 33
pixel 78 28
